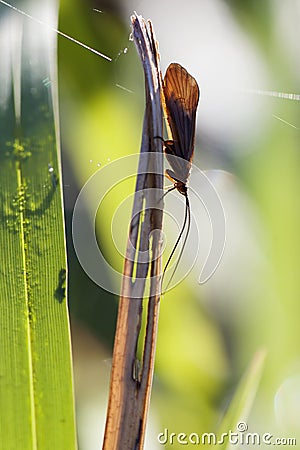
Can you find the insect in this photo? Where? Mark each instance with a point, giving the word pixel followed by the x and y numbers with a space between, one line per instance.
pixel 181 94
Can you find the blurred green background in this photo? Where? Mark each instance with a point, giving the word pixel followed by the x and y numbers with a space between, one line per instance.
pixel 208 333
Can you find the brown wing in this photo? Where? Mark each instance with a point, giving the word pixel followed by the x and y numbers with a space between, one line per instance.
pixel 181 93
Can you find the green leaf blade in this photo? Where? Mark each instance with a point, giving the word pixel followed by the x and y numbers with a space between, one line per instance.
pixel 36 382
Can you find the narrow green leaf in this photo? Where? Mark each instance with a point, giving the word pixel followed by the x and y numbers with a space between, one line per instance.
pixel 36 386
pixel 241 404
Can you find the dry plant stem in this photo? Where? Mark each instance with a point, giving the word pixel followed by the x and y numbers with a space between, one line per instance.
pixel 130 387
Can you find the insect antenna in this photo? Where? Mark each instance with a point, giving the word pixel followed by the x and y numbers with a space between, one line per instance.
pixel 187 220
pixel 170 189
